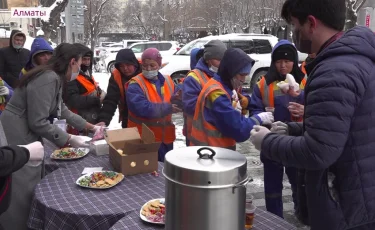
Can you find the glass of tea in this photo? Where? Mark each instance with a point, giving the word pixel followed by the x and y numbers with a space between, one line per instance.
pixel 250 211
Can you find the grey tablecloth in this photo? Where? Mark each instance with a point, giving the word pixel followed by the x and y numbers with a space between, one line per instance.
pixel 60 204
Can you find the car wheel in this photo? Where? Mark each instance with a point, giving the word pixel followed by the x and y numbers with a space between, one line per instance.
pixel 111 67
pixel 256 77
pixel 177 78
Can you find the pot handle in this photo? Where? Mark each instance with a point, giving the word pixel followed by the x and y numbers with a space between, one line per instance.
pixel 206 155
pixel 243 184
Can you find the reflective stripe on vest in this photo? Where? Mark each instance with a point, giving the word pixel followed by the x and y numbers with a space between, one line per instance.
pixel 118 80
pixel 269 92
pixel 203 79
pixel 89 86
pixel 202 132
pixel 163 128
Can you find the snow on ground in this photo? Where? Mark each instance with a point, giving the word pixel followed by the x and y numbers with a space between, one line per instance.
pixel 102 79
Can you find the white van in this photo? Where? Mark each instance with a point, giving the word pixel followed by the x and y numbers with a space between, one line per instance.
pixel 257 46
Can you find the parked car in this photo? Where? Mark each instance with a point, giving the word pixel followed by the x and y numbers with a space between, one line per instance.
pixel 257 46
pixel 166 48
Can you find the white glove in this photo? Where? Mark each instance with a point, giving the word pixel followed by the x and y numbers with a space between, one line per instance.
pixel 239 107
pixel 234 95
pixel 79 141
pixel 292 82
pixel 266 117
pixel 4 91
pixel 36 151
pixel 257 135
pixel 280 128
pixel 102 96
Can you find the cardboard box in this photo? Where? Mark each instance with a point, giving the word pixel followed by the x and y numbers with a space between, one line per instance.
pixel 139 153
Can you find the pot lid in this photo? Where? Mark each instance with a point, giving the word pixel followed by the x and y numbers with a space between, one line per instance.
pixel 210 167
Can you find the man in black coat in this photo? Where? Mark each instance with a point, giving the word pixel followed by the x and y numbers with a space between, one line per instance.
pixel 127 67
pixel 13 58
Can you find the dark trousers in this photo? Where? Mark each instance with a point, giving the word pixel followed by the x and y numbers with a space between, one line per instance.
pixel 273 185
pixel 164 149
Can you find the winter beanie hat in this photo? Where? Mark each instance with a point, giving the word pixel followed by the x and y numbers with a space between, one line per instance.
pixel 284 52
pixel 152 54
pixel 214 49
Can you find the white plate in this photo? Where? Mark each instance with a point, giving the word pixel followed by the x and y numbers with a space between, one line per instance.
pixel 77 181
pixel 162 200
pixel 86 150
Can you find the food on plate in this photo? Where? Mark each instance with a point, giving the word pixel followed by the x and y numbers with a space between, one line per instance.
pixel 68 153
pixel 154 211
pixel 103 179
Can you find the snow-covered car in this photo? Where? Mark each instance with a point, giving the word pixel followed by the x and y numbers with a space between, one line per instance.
pixel 166 48
pixel 257 46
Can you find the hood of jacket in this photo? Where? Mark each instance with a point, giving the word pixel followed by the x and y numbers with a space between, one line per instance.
pixel 357 41
pixel 13 34
pixel 273 75
pixel 233 61
pixel 127 56
pixel 86 51
pixel 195 55
pixel 39 45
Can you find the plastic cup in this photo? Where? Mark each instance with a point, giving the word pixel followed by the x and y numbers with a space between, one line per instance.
pixel 249 218
pixel 270 109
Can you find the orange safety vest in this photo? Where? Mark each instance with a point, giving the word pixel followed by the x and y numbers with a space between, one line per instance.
pixel 202 132
pixel 269 92
pixel 163 128
pixel 303 68
pixel 203 79
pixel 118 80
pixel 88 85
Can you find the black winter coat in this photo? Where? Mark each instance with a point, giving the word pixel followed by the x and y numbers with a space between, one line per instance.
pixel 12 61
pixel 12 158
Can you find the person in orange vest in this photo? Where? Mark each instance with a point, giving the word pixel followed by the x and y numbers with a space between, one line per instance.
pixel 83 95
pixel 126 67
pixel 218 121
pixel 286 108
pixel 309 59
pixel 149 96
pixel 203 71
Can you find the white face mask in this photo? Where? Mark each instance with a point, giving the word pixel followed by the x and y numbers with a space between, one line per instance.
pixel 213 69
pixel 152 74
pixel 74 75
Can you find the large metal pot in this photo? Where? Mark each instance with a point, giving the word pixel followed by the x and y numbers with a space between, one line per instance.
pixel 205 189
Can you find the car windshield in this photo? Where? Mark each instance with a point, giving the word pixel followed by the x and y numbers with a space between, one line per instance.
pixel 194 44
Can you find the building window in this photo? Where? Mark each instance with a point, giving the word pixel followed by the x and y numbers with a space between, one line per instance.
pixel 3 4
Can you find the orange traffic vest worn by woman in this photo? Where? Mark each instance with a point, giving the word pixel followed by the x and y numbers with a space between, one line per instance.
pixel 149 103
pixel 202 132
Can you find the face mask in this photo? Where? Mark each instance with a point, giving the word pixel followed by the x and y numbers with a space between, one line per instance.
pixel 17 46
pixel 303 45
pixel 213 69
pixel 74 75
pixel 150 74
pixel 236 83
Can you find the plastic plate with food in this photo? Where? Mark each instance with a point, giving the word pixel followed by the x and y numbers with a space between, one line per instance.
pixel 100 180
pixel 69 153
pixel 153 211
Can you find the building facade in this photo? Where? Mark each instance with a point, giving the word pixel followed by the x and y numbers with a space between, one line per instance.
pixel 74 21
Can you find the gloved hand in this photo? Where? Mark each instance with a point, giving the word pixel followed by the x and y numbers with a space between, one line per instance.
pixel 266 117
pixel 280 128
pixel 244 103
pixel 102 96
pixel 257 135
pixel 238 107
pixel 4 91
pixel 36 150
pixel 79 141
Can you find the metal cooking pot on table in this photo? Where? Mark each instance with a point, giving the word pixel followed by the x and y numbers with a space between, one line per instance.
pixel 205 189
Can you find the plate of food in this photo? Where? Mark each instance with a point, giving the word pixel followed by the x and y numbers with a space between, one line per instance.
pixel 69 153
pixel 100 180
pixel 153 211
